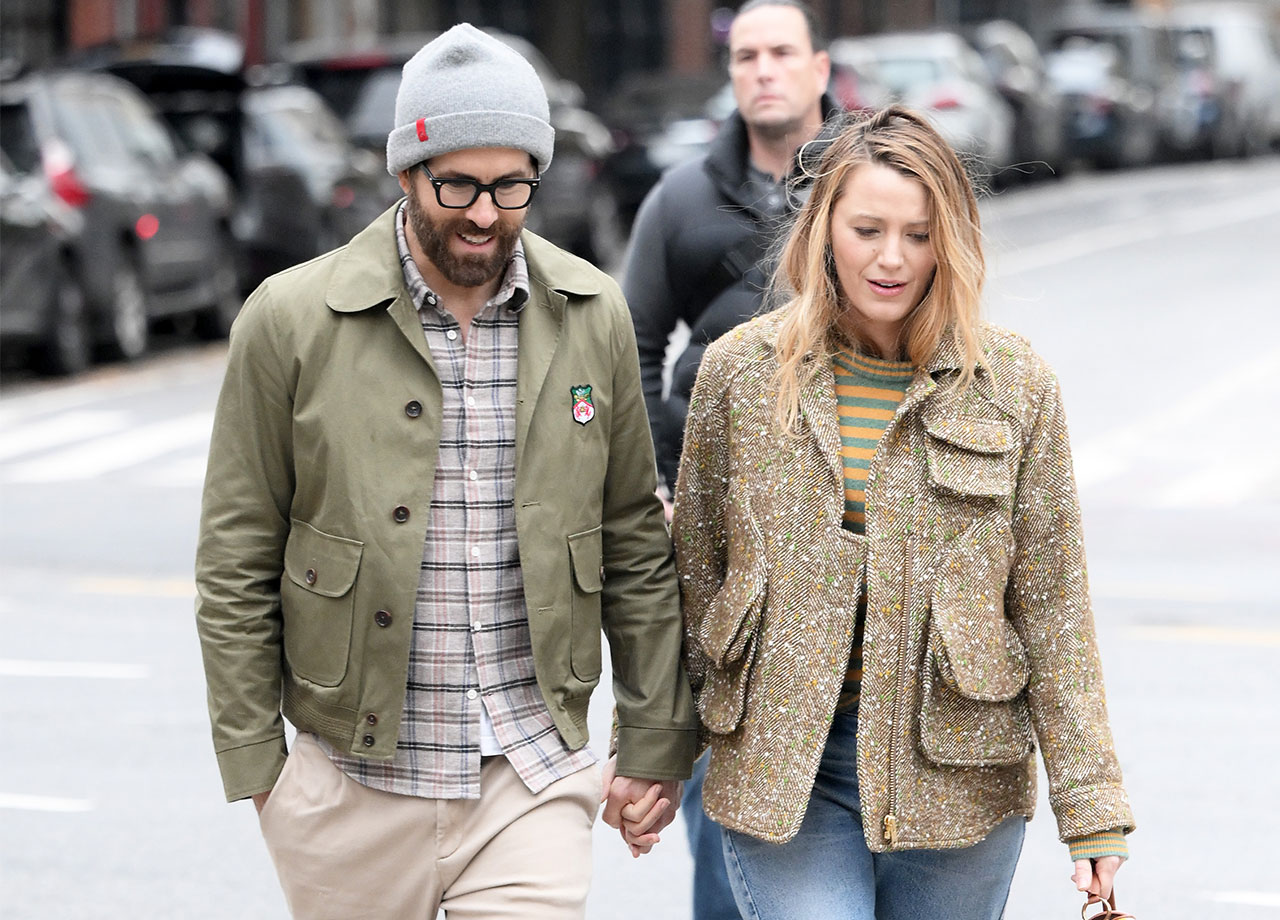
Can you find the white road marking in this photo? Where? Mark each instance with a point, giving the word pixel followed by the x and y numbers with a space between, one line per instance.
pixel 62 429
pixel 14 667
pixel 1113 237
pixel 43 803
pixel 1110 455
pixel 104 455
pixel 1247 898
pixel 1205 635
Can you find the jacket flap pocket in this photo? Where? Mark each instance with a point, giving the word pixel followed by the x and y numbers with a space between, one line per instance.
pixel 722 699
pixel 982 435
pixel 967 456
pixel 725 629
pixel 319 562
pixel 586 553
pixel 977 650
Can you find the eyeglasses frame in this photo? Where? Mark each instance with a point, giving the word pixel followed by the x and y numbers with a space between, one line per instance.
pixel 478 188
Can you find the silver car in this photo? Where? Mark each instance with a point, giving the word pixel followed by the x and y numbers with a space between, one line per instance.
pixel 941 75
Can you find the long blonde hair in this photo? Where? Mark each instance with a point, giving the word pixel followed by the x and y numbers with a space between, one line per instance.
pixel 805 280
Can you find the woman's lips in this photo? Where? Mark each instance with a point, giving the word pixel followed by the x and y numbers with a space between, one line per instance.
pixel 887 288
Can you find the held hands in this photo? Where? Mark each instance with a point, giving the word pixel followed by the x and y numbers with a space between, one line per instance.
pixel 638 808
pixel 1096 876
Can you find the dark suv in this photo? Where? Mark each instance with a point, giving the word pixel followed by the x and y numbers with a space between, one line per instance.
pixel 575 207
pixel 155 239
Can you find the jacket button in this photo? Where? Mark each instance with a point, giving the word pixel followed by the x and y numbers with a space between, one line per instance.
pixel 413 408
pixel 372 718
pixel 368 740
pixel 382 618
pixel 310 576
pixel 401 514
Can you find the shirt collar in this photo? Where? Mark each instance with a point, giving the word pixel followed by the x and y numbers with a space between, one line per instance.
pixel 512 293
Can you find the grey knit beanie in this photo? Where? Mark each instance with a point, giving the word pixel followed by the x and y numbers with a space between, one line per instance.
pixel 467 89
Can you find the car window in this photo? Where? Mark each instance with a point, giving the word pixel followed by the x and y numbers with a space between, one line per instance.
pixel 86 126
pixel 903 75
pixel 374 111
pixel 18 138
pixel 142 133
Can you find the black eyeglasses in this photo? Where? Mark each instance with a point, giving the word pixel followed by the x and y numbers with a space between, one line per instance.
pixel 458 192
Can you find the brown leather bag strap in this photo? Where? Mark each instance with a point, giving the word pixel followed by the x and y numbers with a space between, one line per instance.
pixel 1109 910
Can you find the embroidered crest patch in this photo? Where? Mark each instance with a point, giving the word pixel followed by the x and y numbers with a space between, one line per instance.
pixel 583 409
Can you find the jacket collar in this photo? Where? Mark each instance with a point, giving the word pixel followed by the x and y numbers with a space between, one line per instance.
pixel 368 273
pixel 726 160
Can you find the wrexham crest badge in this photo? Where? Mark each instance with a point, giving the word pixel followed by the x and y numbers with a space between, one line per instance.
pixel 583 409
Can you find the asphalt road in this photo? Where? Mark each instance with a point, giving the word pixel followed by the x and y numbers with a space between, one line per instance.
pixel 1154 294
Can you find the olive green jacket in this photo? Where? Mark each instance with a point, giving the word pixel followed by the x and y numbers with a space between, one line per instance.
pixel 316 504
pixel 979 634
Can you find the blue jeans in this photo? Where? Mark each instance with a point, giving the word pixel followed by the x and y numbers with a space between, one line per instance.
pixel 712 896
pixel 826 871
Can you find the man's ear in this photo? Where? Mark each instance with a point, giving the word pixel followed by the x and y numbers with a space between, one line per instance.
pixel 403 178
pixel 822 62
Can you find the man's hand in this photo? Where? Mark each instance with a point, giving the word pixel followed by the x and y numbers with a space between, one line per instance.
pixel 639 808
pixel 1096 876
pixel 260 800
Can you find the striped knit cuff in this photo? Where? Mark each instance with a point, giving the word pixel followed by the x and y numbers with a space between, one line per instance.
pixel 1099 844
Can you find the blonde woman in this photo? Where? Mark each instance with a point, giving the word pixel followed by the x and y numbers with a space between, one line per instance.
pixel 883 575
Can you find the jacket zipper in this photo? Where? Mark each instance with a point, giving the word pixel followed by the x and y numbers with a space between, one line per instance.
pixel 891 819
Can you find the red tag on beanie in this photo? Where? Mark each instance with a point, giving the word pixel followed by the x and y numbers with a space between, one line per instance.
pixel 422 129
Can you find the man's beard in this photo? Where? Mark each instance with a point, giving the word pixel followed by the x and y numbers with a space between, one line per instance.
pixel 464 271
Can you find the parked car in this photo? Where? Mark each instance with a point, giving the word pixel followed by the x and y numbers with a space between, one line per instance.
pixel 44 311
pixel 1145 60
pixel 1248 63
pixel 657 120
pixel 156 240
pixel 1111 122
pixel 940 74
pixel 301 187
pixel 1207 122
pixel 575 207
pixel 1039 118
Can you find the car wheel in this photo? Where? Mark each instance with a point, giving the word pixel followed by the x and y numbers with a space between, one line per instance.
pixel 68 347
pixel 128 331
pixel 214 322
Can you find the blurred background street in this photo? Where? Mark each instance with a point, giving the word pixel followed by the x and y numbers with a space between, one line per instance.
pixel 161 159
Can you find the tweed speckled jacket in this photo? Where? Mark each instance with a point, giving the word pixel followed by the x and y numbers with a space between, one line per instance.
pixel 979 636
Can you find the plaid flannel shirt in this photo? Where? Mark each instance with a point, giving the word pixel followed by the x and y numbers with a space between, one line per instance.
pixel 471 643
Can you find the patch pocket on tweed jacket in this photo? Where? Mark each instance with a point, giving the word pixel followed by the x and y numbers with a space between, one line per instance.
pixel 727 636
pixel 967 456
pixel 973 709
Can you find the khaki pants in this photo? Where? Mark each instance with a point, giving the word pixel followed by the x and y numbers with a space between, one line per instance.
pixel 344 851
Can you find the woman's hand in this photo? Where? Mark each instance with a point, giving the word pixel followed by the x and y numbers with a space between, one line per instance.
pixel 1096 875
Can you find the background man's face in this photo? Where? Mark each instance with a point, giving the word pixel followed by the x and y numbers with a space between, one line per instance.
pixel 778 79
pixel 470 246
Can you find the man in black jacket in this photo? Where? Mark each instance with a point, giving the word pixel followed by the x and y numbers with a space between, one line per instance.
pixel 698 253
pixel 704 230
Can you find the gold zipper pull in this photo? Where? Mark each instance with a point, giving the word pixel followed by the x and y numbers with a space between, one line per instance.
pixel 891 829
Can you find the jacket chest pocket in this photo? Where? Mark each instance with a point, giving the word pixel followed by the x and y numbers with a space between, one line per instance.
pixel 973 706
pixel 968 457
pixel 317 600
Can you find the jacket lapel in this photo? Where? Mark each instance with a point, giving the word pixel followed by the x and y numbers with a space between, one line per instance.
pixel 540 325
pixel 818 402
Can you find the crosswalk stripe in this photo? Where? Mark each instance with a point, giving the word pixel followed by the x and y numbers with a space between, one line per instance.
pixel 104 455
pixel 43 803
pixel 62 429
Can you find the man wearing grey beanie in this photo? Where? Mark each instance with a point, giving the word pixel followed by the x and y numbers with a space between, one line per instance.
pixel 430 487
